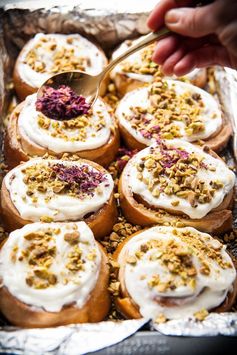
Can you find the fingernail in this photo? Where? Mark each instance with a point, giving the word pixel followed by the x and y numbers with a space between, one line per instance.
pixel 173 16
pixel 166 72
pixel 156 58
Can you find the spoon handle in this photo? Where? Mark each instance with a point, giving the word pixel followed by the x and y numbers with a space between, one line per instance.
pixel 143 42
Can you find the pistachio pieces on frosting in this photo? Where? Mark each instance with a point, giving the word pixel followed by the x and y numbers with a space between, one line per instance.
pixel 140 66
pixel 58 264
pixel 169 109
pixel 48 54
pixel 179 176
pixel 87 131
pixel 58 190
pixel 175 272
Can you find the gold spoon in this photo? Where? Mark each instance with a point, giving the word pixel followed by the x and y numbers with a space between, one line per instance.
pixel 89 85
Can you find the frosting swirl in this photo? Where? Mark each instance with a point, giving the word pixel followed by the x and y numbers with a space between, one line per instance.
pixel 58 190
pixel 175 272
pixel 169 109
pixel 48 54
pixel 179 176
pixel 85 132
pixel 140 66
pixel 50 265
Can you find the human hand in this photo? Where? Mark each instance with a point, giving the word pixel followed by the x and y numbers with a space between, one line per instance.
pixel 203 36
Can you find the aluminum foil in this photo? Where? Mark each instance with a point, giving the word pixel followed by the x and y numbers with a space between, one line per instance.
pixel 214 324
pixel 6 63
pixel 227 82
pixel 73 339
pixel 107 22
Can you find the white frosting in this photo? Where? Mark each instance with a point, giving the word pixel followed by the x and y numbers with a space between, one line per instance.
pixel 81 46
pixel 210 114
pixel 222 174
pixel 60 207
pixel 80 284
pixel 29 128
pixel 208 292
pixel 137 57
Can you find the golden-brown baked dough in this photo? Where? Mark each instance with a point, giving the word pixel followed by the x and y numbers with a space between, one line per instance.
pixel 18 148
pixel 129 309
pixel 24 89
pixel 218 221
pixel 100 222
pixel 95 309
pixel 137 211
pixel 216 142
pixel 124 83
pixel 139 69
pixel 172 109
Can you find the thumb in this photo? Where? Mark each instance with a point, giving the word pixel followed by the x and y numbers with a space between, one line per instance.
pixel 197 22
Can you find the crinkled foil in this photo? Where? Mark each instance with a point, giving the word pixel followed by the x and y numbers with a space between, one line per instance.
pixel 214 324
pixel 227 87
pixel 73 339
pixel 6 63
pixel 107 22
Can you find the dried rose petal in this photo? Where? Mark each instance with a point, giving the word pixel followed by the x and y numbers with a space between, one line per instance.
pixel 121 164
pixel 86 178
pixel 168 154
pixel 203 165
pixel 145 134
pixel 62 103
pixel 124 152
pixel 156 129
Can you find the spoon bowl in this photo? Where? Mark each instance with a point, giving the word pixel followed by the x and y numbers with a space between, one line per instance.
pixel 82 83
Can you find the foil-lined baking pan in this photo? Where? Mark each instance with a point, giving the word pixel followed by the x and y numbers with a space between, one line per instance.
pixel 73 339
pixel 108 23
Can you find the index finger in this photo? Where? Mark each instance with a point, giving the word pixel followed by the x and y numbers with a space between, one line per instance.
pixel 156 17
